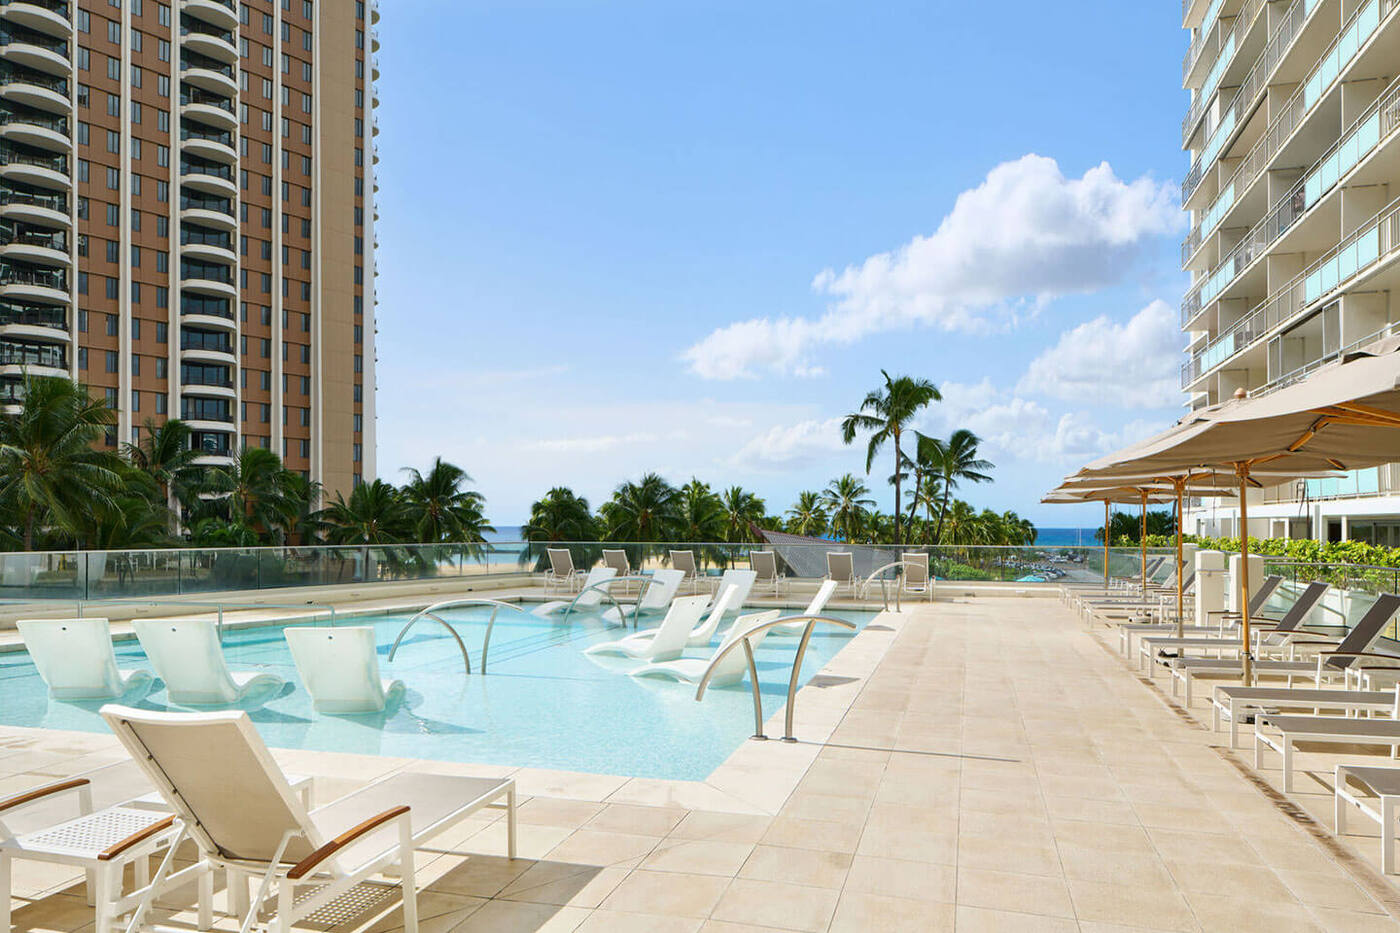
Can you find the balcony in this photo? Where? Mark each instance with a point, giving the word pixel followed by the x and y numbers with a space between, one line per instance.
pixel 33 49
pixel 215 178
pixel 35 324
pixel 36 129
pixel 207 278
pixel 45 248
pixel 208 40
pixel 29 284
pixel 35 89
pixel 51 17
pixel 32 168
pixel 212 145
pixel 17 357
pixel 216 13
pixel 207 210
pixel 208 74
pixel 1221 46
pixel 44 209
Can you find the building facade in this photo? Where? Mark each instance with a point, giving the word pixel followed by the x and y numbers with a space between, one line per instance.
pixel 1293 199
pixel 187 218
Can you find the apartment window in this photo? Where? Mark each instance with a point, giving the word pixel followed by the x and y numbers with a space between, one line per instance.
pixel 163 156
pixel 267 88
pixel 82 283
pixel 136 119
pixel 357 423
pixel 83 131
pixel 114 179
pixel 358 393
pixel 306 71
pixel 135 221
pixel 84 21
pixel 114 141
pixel 136 293
pixel 135 256
pixel 162 261
pixel 82 358
pixel 135 40
pixel 163 85
pixel 135 179
pixel 162 14
pixel 162 118
pixel 84 95
pixel 161 367
pixel 113 251
pixel 135 398
pixel 162 332
pixel 163 404
pixel 135 75
pixel 162 225
pixel 265 381
pixel 113 216
pixel 84 58
pixel 358 449
pixel 114 68
pixel 114 31
pixel 267 24
pixel 114 105
pixel 163 50
pixel 305 385
pixel 359 362
pixel 112 291
pixel 83 245
pixel 110 357
pixel 265 247
pixel 162 192
pixel 162 294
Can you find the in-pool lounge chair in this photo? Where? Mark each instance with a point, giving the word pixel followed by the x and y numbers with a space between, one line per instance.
pixel 655 598
pixel 232 800
pixel 815 607
pixel 75 659
pixel 186 654
pixel 1332 662
pixel 916 579
pixel 730 671
pixel 561 571
pixel 664 642
pixel 587 598
pixel 684 561
pixel 339 666
pixel 765 565
pixel 841 567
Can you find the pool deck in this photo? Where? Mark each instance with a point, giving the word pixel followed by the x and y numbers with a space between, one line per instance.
pixel 982 764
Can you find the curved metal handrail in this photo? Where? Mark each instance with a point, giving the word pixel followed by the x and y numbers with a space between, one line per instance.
pixel 431 613
pixel 603 585
pixel 753 668
pixel 884 591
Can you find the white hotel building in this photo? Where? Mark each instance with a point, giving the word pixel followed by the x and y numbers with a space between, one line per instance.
pixel 1293 194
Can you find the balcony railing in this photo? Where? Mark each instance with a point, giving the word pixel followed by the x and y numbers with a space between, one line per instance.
pixel 53 6
pixel 46 239
pixel 1250 88
pixel 190 341
pixel 217 169
pixel 54 318
pixel 35 79
pixel 203 237
pixel 52 162
pixel 206 203
pixel 1226 45
pixel 194 95
pixel 54 202
pixel 24 354
pixel 34 118
pixel 190 59
pixel 216 136
pixel 188 26
pixel 11 34
pixel 11 274
pixel 221 413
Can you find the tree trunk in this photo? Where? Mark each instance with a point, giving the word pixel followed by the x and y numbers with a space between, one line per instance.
pixel 898 513
pixel 942 514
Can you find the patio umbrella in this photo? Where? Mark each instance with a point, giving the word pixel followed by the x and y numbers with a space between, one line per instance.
pixel 1341 417
pixel 1109 494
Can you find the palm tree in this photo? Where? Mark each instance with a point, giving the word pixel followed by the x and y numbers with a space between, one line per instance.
pixel 702 515
pixel 440 510
pixel 847 504
pixel 375 513
pixel 560 516
pixel 961 524
pixel 742 512
pixel 807 515
pixel 647 510
pixel 50 473
pixel 928 492
pixel 165 455
pixel 255 491
pixel 954 461
pixel 884 415
pixel 137 517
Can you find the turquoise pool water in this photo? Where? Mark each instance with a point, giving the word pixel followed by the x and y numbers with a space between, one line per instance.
pixel 542 702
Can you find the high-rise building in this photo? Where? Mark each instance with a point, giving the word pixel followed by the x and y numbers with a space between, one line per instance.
pixel 187 218
pixel 1293 196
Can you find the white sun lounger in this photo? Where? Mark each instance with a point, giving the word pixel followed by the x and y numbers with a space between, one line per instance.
pixel 655 598
pixel 1150 644
pixel 730 600
pixel 1381 805
pixel 664 642
pixel 841 567
pixel 815 607
pixel 1234 702
pixel 1318 730
pixel 75 658
pixel 232 800
pixel 743 581
pixel 586 599
pixel 340 668
pixel 102 821
pixel 1328 666
pixel 561 571
pixel 186 654
pixel 1291 619
pixel 731 669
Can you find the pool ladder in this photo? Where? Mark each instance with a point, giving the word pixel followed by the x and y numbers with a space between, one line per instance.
pixel 431 612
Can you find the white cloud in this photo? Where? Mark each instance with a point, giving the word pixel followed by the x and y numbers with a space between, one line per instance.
pixel 1132 364
pixel 1025 235
pixel 785 446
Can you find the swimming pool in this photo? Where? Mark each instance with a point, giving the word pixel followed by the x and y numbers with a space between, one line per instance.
pixel 543 703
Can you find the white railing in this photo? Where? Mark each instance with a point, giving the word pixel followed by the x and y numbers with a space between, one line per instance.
pixel 1244 21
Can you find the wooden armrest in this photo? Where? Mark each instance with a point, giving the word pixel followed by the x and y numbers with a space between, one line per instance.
pixel 117 848
pixel 300 869
pixel 40 792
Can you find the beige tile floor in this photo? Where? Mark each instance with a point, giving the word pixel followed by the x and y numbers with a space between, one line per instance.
pixel 977 765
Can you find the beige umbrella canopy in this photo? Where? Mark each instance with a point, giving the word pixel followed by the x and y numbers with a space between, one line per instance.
pixel 1341 417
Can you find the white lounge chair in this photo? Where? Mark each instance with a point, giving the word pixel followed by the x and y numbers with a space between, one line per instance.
pixel 841 567
pixel 230 798
pixel 684 561
pixel 728 601
pixel 75 658
pixel 765 565
pixel 664 642
pixel 815 607
pixel 916 577
pixel 743 581
pixel 340 668
pixel 587 598
pixel 561 571
pixel 655 598
pixel 186 655
pixel 731 669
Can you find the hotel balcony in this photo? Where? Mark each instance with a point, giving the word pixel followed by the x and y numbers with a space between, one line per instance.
pixel 51 17
pixel 206 143
pixel 35 89
pixel 201 37
pixel 220 14
pixel 215 110
pixel 36 246
pixel 35 324
pixel 32 48
pixel 208 210
pixel 17 359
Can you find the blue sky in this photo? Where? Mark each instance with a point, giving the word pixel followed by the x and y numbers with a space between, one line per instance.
pixel 685 237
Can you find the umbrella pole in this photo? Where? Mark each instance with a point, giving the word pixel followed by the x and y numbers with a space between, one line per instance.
pixel 1107 506
pixel 1246 660
pixel 1180 592
pixel 1142 541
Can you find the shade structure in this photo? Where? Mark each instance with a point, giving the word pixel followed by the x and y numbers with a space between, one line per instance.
pixel 1109 494
pixel 1344 416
